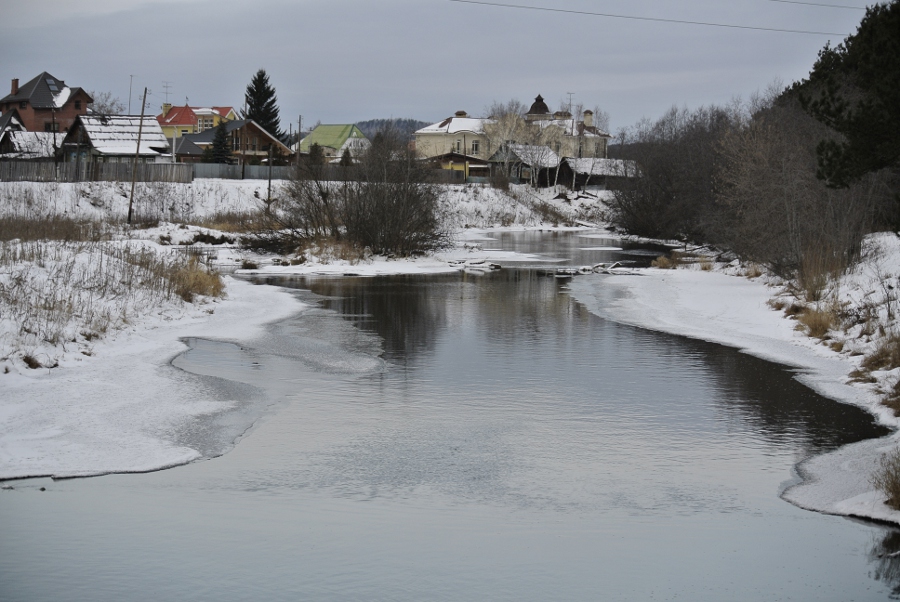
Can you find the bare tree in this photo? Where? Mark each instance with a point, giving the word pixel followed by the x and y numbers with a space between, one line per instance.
pixel 106 104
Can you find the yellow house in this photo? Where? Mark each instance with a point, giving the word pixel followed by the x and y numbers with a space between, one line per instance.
pixel 178 121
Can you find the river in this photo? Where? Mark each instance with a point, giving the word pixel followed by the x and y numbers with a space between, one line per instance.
pixel 474 436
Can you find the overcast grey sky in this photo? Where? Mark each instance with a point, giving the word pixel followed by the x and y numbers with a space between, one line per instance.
pixel 341 61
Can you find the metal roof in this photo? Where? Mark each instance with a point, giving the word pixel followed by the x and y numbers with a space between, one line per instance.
pixel 44 92
pixel 333 136
pixel 118 134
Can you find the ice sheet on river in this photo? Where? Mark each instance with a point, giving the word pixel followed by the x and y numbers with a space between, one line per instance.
pixel 732 311
pixel 126 409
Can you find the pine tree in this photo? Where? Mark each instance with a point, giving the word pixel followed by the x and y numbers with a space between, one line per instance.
pixel 261 104
pixel 346 158
pixel 854 88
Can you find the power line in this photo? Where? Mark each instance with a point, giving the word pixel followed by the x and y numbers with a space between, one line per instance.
pixel 819 4
pixel 656 19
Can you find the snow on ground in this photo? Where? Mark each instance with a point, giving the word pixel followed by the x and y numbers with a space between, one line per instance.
pixel 733 311
pixel 118 410
pixel 466 205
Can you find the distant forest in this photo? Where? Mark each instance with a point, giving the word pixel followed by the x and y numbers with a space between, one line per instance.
pixel 404 127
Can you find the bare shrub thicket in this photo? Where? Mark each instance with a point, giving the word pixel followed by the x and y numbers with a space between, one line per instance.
pixel 670 194
pixel 386 203
pixel 771 208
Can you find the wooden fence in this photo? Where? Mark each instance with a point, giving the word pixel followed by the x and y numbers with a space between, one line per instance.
pixel 33 171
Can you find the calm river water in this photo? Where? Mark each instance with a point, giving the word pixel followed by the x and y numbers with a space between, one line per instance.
pixel 476 436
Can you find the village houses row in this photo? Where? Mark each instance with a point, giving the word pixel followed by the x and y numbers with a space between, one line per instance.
pixel 45 119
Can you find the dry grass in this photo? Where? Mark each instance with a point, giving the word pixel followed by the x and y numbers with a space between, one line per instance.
pixel 232 221
pixel 887 478
pixel 753 271
pixel 52 228
pixel 193 278
pixel 666 263
pixel 706 264
pixel 60 293
pixel 818 321
pixel 886 355
pixel 817 269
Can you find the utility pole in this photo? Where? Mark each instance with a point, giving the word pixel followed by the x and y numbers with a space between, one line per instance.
pixel 299 137
pixel 269 196
pixel 137 152
pixel 130 81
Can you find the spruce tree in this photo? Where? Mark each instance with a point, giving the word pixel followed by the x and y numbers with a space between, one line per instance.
pixel 346 158
pixel 261 104
pixel 316 155
pixel 221 149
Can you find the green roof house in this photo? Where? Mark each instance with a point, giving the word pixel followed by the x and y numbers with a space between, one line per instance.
pixel 335 138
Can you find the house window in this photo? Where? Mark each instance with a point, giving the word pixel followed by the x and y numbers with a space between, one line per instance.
pixel 51 127
pixel 255 142
pixel 77 105
pixel 236 143
pixel 475 147
pixel 183 132
pixel 459 146
pixel 23 104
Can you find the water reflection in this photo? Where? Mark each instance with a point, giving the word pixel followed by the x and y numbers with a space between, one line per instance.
pixel 772 400
pixel 885 560
pixel 520 323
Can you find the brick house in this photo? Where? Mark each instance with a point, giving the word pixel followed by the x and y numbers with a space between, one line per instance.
pixel 45 103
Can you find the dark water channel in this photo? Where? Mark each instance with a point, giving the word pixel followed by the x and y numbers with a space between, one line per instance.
pixel 476 436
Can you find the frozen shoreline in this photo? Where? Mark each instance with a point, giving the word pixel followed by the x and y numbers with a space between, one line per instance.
pixel 732 311
pixel 118 410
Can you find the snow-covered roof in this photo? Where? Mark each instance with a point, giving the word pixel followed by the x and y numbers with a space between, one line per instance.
pixel 571 127
pixel 602 167
pixel 31 145
pixel 118 134
pixel 455 125
pixel 534 155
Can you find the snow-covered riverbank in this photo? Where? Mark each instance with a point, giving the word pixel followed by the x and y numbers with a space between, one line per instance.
pixel 734 311
pixel 119 409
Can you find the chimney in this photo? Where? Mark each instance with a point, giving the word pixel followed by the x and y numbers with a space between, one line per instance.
pixel 461 114
pixel 166 108
pixel 15 85
pixel 588 119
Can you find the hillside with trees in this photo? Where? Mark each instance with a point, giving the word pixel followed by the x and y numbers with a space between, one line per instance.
pixel 402 127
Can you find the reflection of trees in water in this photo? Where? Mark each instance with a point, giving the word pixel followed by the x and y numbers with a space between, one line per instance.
pixel 521 308
pixel 524 306
pixel 403 310
pixel 885 558
pixel 769 397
